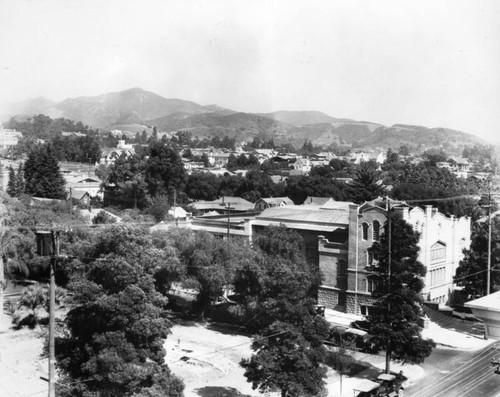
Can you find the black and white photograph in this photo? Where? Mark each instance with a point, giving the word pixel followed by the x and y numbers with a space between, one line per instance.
pixel 249 198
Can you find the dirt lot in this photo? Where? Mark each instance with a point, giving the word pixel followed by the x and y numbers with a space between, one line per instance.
pixel 207 358
pixel 20 361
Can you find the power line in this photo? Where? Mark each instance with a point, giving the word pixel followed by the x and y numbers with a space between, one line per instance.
pixel 234 346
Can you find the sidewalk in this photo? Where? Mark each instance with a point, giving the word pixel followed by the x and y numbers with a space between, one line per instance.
pixel 375 364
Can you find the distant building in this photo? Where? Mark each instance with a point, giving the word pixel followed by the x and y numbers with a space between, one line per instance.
pixel 73 134
pixel 221 205
pixel 272 202
pixel 218 159
pixel 8 139
pixel 109 156
pixel 302 165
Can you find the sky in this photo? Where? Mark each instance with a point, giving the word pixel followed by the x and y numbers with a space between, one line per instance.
pixel 432 63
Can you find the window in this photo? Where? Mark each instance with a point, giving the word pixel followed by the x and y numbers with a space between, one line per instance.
pixel 342 274
pixel 376 231
pixel 371 285
pixel 365 231
pixel 342 299
pixel 438 252
pixel 365 310
pixel 372 258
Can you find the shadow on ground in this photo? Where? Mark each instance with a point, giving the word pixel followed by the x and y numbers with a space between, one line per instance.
pixel 218 391
pixel 228 329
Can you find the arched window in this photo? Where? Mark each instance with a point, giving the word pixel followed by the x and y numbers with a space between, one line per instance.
pixel 438 252
pixel 365 231
pixel 376 230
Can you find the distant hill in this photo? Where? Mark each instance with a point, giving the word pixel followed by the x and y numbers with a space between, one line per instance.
pixel 136 109
pixel 299 118
pixel 125 107
pixel 31 106
pixel 241 126
pixel 219 110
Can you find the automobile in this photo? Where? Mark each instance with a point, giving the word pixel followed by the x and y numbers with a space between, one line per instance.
pixel 391 385
pixel 367 388
pixel 357 338
pixel 386 385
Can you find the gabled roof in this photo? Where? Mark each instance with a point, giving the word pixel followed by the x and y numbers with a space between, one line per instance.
pixel 79 194
pixel 221 204
pixel 316 200
pixel 277 200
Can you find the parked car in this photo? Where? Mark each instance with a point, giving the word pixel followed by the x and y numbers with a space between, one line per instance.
pixel 357 338
pixel 386 385
pixel 391 385
pixel 367 388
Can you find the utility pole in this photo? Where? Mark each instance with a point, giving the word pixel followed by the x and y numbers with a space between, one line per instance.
pixel 48 245
pixel 389 260
pixel 52 357
pixel 228 217
pixel 488 273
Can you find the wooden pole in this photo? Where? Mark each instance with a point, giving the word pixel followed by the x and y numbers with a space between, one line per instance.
pixel 488 274
pixel 389 260
pixel 52 302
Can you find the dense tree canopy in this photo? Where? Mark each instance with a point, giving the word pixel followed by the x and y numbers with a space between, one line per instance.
pixel 116 326
pixel 472 270
pixel 42 175
pixel 164 170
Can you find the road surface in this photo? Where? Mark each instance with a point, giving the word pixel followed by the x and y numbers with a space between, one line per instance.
pixel 464 374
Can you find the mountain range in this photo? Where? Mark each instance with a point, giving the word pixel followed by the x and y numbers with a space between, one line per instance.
pixel 136 109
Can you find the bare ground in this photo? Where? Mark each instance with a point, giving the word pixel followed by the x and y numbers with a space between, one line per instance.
pixel 20 363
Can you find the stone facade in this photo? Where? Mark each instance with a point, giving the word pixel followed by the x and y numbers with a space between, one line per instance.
pixel 347 284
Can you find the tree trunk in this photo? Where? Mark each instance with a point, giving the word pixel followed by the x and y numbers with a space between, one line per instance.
pixel 388 360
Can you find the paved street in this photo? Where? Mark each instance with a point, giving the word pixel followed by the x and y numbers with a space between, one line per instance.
pixel 470 374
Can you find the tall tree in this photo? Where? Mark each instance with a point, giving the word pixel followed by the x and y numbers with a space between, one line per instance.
pixel 395 315
pixel 20 182
pixel 472 270
pixel 12 184
pixel 279 289
pixel 128 175
pixel 164 170
pixel 365 185
pixel 42 174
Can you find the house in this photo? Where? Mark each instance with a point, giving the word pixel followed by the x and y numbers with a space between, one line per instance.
pixel 264 154
pixel 461 166
pixel 218 159
pixel 79 183
pixel 109 156
pixel 73 134
pixel 80 198
pixel 302 165
pixel 178 213
pixel 358 157
pixel 90 213
pixel 264 203
pixel 317 201
pixel 222 205
pixel 8 139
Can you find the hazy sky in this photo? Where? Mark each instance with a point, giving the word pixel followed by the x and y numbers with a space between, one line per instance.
pixel 432 63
